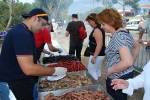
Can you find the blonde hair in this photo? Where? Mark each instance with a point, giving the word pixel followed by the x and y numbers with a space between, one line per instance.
pixel 110 16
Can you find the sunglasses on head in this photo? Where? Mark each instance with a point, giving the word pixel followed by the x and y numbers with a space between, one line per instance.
pixel 90 16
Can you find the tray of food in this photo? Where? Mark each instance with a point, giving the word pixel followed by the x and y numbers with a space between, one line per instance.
pixel 94 92
pixel 55 59
pixel 70 80
pixel 71 66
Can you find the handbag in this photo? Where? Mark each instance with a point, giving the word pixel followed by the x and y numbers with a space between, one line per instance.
pixel 87 52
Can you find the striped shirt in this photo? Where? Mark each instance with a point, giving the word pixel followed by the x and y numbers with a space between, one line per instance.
pixel 119 40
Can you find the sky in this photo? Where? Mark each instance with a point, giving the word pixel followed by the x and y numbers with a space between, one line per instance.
pixel 81 6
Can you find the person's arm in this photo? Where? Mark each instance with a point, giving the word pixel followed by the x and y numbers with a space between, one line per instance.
pixel 144 27
pixel 67 34
pixel 54 49
pixel 99 43
pixel 125 62
pixel 45 51
pixel 29 68
pixel 136 49
pixel 48 52
pixel 140 35
pixel 68 29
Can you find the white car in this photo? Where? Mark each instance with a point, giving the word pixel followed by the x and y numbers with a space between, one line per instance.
pixel 132 24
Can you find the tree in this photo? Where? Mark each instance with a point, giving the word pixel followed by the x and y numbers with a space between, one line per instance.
pixel 4 11
pixel 56 9
pixel 11 15
pixel 18 9
pixel 132 3
pixel 9 2
pixel 106 3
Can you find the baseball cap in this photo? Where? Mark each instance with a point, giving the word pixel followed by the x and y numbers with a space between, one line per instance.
pixel 38 12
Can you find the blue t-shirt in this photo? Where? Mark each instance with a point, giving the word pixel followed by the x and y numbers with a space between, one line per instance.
pixel 18 41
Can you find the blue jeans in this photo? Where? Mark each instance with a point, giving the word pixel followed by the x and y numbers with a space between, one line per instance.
pixel 118 95
pixel 76 47
pixel 5 92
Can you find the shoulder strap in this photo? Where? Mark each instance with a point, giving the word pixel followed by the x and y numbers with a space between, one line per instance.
pixel 123 31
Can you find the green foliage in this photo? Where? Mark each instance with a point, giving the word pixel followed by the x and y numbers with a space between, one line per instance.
pixel 63 9
pixel 4 15
pixel 132 3
pixel 56 9
pixel 83 16
pixel 18 9
pixel 114 1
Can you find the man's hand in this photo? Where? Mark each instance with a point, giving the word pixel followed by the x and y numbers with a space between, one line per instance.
pixel 139 40
pixel 60 71
pixel 60 50
pixel 51 54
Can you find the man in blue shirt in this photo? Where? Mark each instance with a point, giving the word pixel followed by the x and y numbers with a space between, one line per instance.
pixel 18 59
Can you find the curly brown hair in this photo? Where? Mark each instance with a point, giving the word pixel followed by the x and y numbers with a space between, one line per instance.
pixel 92 17
pixel 110 16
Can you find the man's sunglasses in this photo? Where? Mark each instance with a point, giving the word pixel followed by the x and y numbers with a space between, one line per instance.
pixel 43 24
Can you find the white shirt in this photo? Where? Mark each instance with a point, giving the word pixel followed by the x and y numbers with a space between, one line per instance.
pixel 146 25
pixel 142 80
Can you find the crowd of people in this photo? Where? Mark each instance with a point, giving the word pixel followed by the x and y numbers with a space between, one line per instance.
pixel 25 42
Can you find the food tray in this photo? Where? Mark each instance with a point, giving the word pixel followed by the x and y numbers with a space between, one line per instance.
pixel 60 92
pixel 71 73
pixel 55 59
pixel 71 66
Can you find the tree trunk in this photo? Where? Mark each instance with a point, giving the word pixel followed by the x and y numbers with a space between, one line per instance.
pixel 57 9
pixel 11 14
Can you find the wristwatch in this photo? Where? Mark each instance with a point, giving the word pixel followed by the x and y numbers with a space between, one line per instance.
pixel 94 57
pixel 49 53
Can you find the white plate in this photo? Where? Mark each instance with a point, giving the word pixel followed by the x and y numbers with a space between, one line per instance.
pixel 54 78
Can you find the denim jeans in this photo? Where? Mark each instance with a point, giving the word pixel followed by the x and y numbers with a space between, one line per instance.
pixel 5 92
pixel 118 95
pixel 76 47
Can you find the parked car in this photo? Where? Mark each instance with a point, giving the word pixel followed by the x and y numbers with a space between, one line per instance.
pixel 138 16
pixel 127 19
pixel 132 24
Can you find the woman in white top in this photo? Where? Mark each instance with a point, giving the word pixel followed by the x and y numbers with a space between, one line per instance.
pixel 128 86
